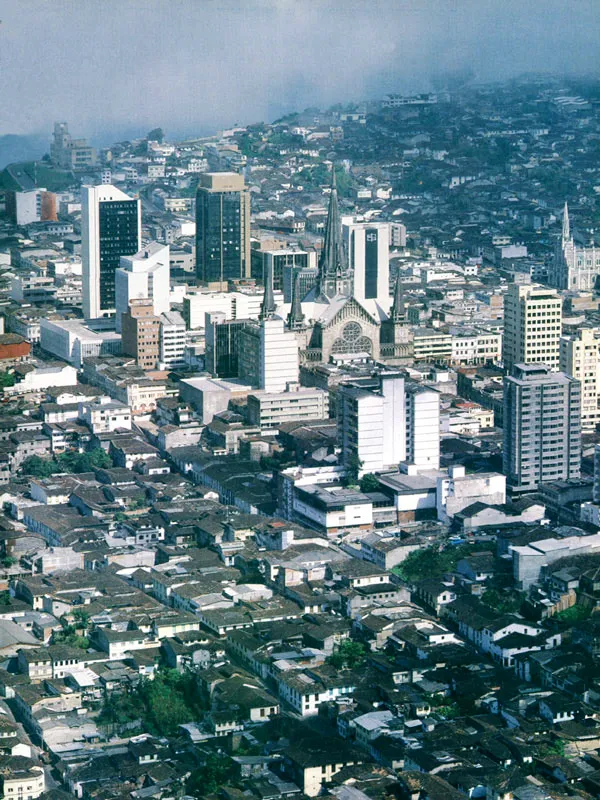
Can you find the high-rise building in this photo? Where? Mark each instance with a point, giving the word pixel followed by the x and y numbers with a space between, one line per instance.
pixel 222 227
pixel 386 422
pixel 422 427
pixel 304 277
pixel 368 248
pixel 580 358
pixel 222 344
pixel 140 333
pixel 144 274
pixel 574 267
pixel 278 260
pixel 532 326
pixel 172 340
pixel 111 226
pixel 268 355
pixel 542 427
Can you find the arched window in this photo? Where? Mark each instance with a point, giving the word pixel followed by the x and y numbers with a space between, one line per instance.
pixel 352 340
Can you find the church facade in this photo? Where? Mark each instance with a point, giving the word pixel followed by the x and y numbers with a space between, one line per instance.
pixel 330 324
pixel 574 267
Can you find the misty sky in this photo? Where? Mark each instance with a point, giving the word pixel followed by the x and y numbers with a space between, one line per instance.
pixel 120 67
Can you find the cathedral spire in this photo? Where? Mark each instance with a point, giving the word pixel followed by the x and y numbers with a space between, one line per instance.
pixel 398 309
pixel 334 273
pixel 566 228
pixel 267 307
pixel 296 316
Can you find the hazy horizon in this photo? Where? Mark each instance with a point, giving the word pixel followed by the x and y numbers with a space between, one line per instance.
pixel 116 70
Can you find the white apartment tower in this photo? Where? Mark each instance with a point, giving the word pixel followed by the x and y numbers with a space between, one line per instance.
pixel 368 248
pixel 144 274
pixel 172 341
pixel 580 358
pixel 268 355
pixel 422 427
pixel 383 425
pixel 532 326
pixel 111 226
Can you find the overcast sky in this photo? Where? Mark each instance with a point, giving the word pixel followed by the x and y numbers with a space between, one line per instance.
pixel 120 67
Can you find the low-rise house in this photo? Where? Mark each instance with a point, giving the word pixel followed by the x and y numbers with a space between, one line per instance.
pixel 21 777
pixel 306 689
pixel 312 764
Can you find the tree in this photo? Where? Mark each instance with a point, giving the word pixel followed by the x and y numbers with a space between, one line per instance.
pixel 156 135
pixel 433 562
pixel 216 771
pixel 160 705
pixel 70 637
pixel 573 614
pixel 353 467
pixel 84 462
pixel 349 654
pixel 556 748
pixel 503 602
pixel 39 467
pixel 6 379
pixel 369 482
pixel 81 618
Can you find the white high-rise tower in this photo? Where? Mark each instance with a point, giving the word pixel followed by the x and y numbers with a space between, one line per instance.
pixel 111 225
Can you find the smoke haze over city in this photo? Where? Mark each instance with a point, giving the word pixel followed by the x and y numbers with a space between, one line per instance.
pixel 115 68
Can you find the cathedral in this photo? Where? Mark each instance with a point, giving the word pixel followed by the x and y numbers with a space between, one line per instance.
pixel 574 267
pixel 329 323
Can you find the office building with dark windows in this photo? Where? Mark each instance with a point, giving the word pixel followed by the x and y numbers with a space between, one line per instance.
pixel 276 262
pixel 110 228
pixel 222 344
pixel 222 228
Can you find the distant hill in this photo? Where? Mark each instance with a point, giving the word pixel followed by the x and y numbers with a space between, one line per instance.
pixel 26 175
pixel 22 148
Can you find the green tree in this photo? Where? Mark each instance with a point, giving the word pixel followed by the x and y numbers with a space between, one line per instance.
pixel 216 771
pixel 160 705
pixel 70 637
pixel 573 614
pixel 369 482
pixel 448 709
pixel 84 462
pixel 39 467
pixel 349 654
pixel 81 618
pixel 555 748
pixel 503 602
pixel 353 467
pixel 156 135
pixel 6 379
pixel 433 561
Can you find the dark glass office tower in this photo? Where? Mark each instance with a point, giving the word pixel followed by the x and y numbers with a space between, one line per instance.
pixel 119 236
pixel 222 228
pixel 222 345
pixel 110 228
